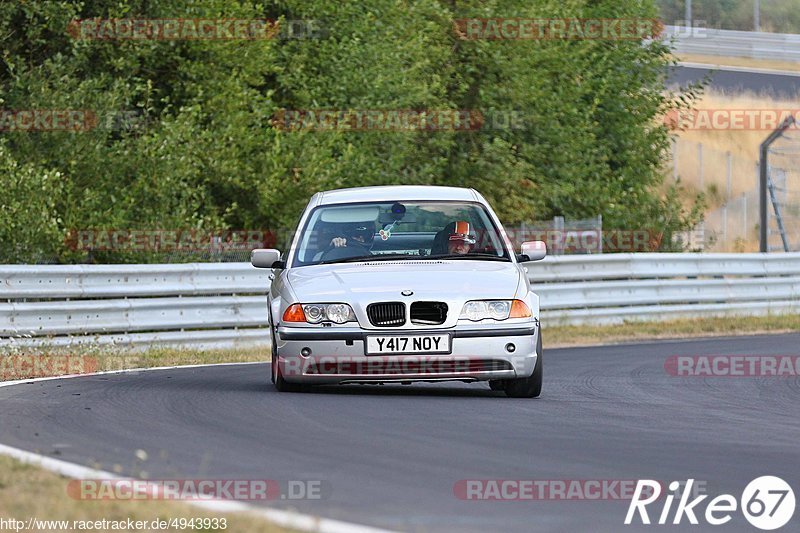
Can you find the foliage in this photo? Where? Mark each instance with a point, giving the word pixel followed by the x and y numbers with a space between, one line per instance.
pixel 186 140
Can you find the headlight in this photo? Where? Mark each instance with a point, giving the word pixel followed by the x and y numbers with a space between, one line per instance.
pixel 317 313
pixel 499 310
pixel 314 313
pixel 476 310
pixel 339 313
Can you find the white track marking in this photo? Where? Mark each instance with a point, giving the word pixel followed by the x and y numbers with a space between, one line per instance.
pixel 288 519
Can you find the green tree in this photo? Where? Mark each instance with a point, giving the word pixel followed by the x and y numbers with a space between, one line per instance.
pixel 204 153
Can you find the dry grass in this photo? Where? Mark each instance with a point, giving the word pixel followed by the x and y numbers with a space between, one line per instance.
pixel 28 491
pixel 555 337
pixel 116 359
pixel 83 359
pixel 743 146
pixel 740 62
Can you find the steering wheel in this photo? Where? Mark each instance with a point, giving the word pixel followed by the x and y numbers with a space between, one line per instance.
pixel 352 249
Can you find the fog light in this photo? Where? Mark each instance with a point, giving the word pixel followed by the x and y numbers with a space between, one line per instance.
pixel 305 352
pixel 510 347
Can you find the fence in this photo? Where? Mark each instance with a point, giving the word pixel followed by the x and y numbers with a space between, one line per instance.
pixel 204 304
pixel 223 305
pixel 731 184
pixel 558 232
pixel 757 15
pixel 755 45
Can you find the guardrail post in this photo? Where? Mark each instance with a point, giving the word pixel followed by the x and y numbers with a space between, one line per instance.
pixel 757 15
pixel 688 14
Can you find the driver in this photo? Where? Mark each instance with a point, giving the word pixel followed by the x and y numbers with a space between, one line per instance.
pixel 460 240
pixel 358 233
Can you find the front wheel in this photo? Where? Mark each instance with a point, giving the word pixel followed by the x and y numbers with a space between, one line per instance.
pixel 496 384
pixel 530 387
pixel 281 384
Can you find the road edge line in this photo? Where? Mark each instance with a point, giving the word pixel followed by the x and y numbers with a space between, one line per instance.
pixel 288 519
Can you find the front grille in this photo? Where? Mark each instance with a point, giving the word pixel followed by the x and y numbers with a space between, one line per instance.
pixel 429 313
pixel 387 314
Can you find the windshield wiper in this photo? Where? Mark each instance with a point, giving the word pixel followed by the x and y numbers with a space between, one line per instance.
pixel 393 257
pixel 382 257
pixel 476 255
pixel 379 257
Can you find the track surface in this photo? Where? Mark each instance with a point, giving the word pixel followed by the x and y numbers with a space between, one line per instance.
pixel 392 454
pixel 735 81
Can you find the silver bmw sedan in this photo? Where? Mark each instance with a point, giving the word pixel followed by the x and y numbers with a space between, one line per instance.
pixel 397 284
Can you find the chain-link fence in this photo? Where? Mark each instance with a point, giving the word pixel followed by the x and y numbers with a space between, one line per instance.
pixel 780 16
pixel 730 184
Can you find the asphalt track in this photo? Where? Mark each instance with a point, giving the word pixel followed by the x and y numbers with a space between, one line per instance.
pixel 736 81
pixel 390 456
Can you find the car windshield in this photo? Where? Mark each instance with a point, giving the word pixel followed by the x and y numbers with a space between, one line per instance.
pixel 379 231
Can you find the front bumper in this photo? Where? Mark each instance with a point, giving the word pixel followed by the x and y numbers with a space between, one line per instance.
pixel 337 355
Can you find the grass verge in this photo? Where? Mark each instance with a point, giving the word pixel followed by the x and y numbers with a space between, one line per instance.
pixel 18 362
pixel 704 155
pixel 27 491
pixel 563 336
pixel 744 62
pixel 22 363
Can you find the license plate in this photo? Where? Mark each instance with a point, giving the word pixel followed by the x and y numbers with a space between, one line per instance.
pixel 397 344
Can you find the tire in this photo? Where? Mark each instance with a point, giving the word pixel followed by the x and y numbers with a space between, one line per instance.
pixel 281 385
pixel 530 387
pixel 497 384
pixel 274 353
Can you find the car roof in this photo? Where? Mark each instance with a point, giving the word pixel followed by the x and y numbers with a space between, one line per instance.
pixel 396 193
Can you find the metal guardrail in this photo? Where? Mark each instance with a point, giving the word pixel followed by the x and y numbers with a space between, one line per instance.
pixel 224 304
pixel 755 45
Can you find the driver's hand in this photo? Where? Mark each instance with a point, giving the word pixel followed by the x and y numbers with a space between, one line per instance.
pixel 338 242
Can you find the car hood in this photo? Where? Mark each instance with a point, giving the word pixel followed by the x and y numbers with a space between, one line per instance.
pixel 439 280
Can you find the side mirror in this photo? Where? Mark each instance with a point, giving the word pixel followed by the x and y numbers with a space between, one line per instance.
pixel 534 250
pixel 264 257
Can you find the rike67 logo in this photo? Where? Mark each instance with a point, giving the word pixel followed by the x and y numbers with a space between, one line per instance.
pixel 767 502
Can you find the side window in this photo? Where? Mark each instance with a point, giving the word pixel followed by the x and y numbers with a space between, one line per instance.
pixel 303 243
pixel 288 236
